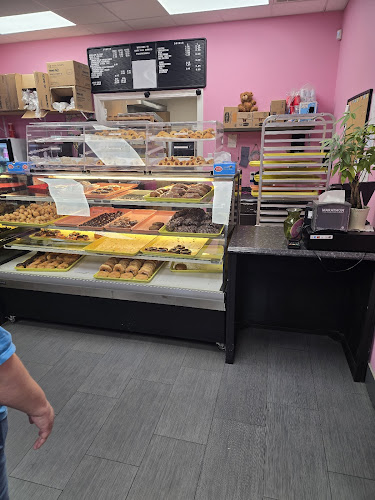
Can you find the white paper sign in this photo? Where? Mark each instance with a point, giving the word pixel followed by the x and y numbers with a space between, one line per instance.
pixel 232 140
pixel 68 196
pixel 222 202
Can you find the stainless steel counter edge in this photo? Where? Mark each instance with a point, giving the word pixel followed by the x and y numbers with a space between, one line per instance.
pixel 270 240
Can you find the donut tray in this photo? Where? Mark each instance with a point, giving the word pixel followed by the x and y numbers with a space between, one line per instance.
pixel 65 233
pixel 45 270
pixel 181 200
pixel 163 231
pixel 31 224
pixel 124 244
pixel 198 268
pixel 193 244
pixel 133 280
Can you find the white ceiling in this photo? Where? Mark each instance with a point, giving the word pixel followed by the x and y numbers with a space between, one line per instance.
pixel 108 16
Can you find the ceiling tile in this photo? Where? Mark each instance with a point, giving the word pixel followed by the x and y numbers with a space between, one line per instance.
pixel 197 18
pixel 336 4
pixel 57 4
pixel 136 9
pixel 293 8
pixel 15 7
pixel 245 13
pixel 52 33
pixel 87 15
pixel 114 27
pixel 152 22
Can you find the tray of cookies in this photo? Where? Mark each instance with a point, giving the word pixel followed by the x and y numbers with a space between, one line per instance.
pixel 195 268
pixel 122 244
pixel 107 190
pixel 77 220
pixel 171 245
pixel 192 222
pixel 153 224
pixel 98 222
pixel 74 237
pixel 33 215
pixel 182 192
pixel 129 221
pixel 137 270
pixel 50 262
pixel 184 134
pixel 186 161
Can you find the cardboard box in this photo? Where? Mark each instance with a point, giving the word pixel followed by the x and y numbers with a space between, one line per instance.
pixel 164 115
pixel 68 73
pixel 306 108
pixel 278 107
pixel 37 81
pixel 230 117
pixel 259 117
pixel 82 97
pixel 8 92
pixel 244 119
pixel 114 108
pixel 225 168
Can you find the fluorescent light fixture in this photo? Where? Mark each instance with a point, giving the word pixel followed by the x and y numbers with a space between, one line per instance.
pixel 32 22
pixel 189 6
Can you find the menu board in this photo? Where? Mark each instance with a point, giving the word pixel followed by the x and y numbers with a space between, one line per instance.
pixel 170 64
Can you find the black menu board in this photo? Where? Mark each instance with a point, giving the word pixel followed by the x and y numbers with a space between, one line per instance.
pixel 170 64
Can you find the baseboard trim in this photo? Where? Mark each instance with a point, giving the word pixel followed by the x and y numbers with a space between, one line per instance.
pixel 370 384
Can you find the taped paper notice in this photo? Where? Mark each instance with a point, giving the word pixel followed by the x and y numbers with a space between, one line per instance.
pixel 222 202
pixel 232 140
pixel 68 196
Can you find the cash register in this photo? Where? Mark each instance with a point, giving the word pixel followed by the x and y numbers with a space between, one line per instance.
pixel 326 226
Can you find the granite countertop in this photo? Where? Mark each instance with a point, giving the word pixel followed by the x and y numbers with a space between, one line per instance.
pixel 270 240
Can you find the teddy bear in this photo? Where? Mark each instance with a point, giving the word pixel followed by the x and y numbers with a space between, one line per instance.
pixel 247 102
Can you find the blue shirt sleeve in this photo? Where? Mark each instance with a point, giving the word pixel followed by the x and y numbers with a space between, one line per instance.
pixel 7 348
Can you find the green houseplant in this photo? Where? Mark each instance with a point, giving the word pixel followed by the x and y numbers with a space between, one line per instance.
pixel 352 152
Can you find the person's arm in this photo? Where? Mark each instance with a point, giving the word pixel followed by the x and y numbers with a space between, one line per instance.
pixel 20 391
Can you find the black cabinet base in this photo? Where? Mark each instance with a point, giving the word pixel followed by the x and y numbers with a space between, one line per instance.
pixel 124 316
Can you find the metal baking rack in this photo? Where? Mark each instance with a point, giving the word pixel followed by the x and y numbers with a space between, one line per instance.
pixel 294 168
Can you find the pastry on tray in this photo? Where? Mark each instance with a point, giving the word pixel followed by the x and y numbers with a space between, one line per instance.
pixel 128 269
pixel 192 220
pixel 181 190
pixel 49 261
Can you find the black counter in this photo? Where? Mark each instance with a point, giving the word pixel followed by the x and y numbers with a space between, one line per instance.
pixel 317 292
pixel 270 240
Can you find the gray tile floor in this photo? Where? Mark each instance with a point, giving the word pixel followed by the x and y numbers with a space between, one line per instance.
pixel 142 418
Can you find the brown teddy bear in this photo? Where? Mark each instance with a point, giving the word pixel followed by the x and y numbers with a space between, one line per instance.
pixel 247 102
pixel 246 99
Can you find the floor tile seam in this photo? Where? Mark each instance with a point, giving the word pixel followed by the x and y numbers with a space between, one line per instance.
pixel 53 366
pixel 111 460
pixel 208 436
pixel 88 447
pixel 38 484
pixel 352 475
pixel 179 439
pixel 292 405
pixel 23 456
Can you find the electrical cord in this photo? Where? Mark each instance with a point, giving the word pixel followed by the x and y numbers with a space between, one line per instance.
pixel 335 270
pixel 338 270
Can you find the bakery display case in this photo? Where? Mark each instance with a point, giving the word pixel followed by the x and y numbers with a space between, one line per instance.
pixel 144 243
pixel 80 146
pixel 186 146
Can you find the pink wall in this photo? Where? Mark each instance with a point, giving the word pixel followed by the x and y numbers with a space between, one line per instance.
pixel 356 69
pixel 259 55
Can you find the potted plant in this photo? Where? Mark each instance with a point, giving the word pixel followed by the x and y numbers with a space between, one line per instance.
pixel 353 152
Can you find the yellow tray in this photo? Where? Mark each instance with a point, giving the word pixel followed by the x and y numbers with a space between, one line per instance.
pixel 181 200
pixel 212 251
pixel 66 232
pixel 194 244
pixel 45 270
pixel 284 193
pixel 198 268
pixel 163 231
pixel 127 244
pixel 133 280
pixel 30 224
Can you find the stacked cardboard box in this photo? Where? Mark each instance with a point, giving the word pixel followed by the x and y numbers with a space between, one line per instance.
pixel 71 79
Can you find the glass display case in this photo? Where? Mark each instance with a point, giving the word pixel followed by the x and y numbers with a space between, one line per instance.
pixel 155 238
pixel 124 146
pixel 80 146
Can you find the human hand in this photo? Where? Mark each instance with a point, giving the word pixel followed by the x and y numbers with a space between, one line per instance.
pixel 43 419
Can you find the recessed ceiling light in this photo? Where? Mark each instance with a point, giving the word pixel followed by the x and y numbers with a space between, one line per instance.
pixel 32 22
pixel 188 6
